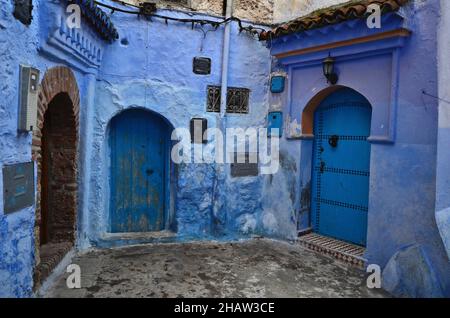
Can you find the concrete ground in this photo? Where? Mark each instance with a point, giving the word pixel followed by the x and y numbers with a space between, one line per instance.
pixel 255 268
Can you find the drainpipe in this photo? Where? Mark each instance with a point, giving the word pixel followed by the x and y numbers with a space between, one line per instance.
pixel 225 60
pixel 220 170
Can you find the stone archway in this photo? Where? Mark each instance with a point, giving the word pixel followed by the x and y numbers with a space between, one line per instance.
pixel 56 137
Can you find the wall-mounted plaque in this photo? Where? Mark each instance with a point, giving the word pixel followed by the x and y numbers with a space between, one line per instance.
pixel 18 187
pixel 246 169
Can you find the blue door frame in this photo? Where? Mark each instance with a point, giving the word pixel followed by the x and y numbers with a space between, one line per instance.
pixel 140 169
pixel 341 167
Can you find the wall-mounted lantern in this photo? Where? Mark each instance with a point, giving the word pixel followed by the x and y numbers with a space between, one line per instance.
pixel 328 70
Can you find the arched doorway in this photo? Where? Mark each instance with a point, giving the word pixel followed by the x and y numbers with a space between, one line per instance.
pixel 55 149
pixel 58 174
pixel 341 166
pixel 140 168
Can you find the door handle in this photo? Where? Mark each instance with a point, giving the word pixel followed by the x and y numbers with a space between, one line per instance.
pixel 149 172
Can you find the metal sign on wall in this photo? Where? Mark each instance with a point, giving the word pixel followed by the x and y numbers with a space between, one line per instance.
pixel 18 186
pixel 245 169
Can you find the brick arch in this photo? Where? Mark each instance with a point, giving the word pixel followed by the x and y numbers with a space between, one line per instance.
pixel 57 81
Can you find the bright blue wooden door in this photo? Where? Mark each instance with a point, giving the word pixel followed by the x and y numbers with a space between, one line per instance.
pixel 341 167
pixel 139 143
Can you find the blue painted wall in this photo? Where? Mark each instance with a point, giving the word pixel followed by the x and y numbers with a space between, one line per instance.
pixel 16 230
pixel 150 67
pixel 21 44
pixel 403 172
pixel 443 162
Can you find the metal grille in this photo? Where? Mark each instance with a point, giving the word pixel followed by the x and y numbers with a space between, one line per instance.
pixel 213 99
pixel 342 251
pixel 237 100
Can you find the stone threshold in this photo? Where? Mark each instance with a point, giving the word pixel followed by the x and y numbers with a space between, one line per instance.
pixel 347 253
pixel 109 240
pixel 138 235
pixel 51 254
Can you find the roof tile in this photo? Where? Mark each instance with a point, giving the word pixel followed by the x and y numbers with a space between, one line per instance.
pixel 354 9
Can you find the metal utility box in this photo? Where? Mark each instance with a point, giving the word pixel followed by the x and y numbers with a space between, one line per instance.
pixel 275 121
pixel 277 84
pixel 202 65
pixel 28 97
pixel 18 186
pixel 246 169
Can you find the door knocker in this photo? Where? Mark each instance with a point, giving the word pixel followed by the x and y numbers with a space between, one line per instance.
pixel 333 141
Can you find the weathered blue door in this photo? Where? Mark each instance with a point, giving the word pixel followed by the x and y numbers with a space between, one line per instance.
pixel 341 165
pixel 139 168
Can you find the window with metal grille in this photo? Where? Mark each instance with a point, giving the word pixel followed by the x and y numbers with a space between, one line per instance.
pixel 237 100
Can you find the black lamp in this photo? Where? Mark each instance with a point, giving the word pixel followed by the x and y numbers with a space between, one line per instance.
pixel 328 70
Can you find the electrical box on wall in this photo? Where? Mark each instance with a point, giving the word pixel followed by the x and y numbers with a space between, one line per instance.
pixel 275 121
pixel 28 97
pixel 202 65
pixel 242 167
pixel 18 186
pixel 277 83
pixel 198 127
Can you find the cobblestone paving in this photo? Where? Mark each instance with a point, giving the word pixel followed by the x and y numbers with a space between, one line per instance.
pixel 255 268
